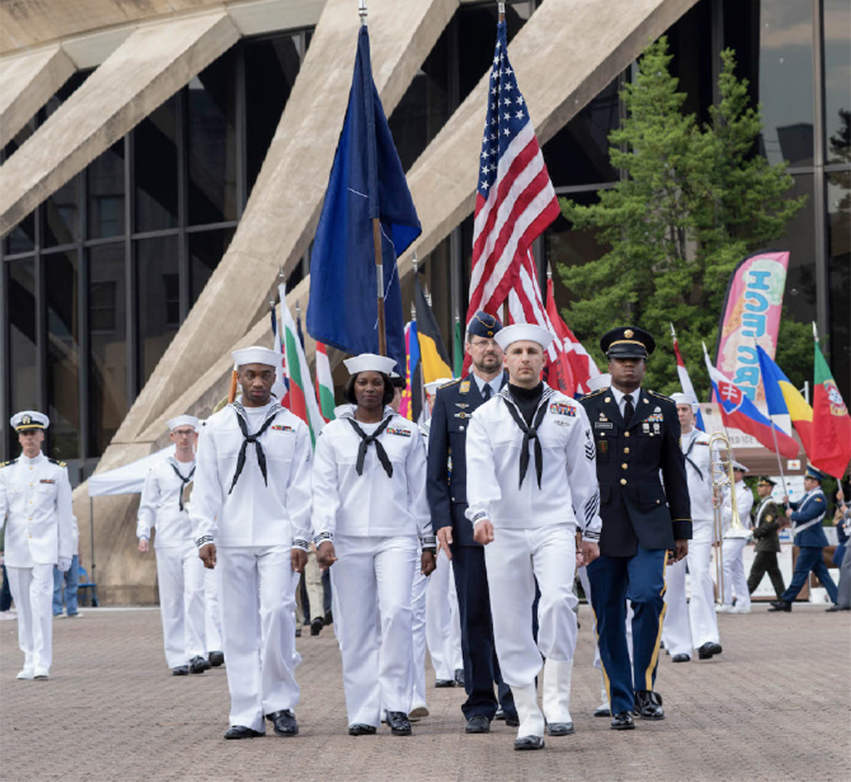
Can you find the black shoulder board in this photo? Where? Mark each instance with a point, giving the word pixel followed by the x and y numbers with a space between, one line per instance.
pixel 595 393
pixel 10 462
pixel 661 396
pixel 56 461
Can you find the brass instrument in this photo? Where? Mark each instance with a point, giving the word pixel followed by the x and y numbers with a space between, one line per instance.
pixel 721 465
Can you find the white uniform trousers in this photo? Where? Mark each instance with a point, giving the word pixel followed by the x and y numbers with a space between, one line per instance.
pixel 257 594
pixel 213 612
pixel 32 591
pixel 676 629
pixel 373 582
pixel 443 620
pixel 734 573
pixel 701 607
pixel 418 632
pixel 180 577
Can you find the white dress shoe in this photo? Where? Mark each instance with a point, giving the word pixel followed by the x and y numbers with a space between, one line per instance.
pixel 723 609
pixel 740 610
pixel 26 674
pixel 41 673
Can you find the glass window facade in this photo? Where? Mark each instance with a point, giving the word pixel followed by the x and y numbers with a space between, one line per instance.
pixel 100 277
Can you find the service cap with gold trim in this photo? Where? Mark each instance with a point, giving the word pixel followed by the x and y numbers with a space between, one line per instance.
pixel 627 342
pixel 764 480
pixel 29 419
pixel 484 325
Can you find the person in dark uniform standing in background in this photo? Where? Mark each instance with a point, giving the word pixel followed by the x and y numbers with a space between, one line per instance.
pixel 447 497
pixel 645 516
pixel 767 520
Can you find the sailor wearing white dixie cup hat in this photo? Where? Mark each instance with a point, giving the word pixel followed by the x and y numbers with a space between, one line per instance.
pixel 532 485
pixel 180 573
pixel 370 517
pixel 35 505
pixel 250 512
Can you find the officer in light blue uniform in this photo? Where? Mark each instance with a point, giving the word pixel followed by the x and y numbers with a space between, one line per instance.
pixel 806 516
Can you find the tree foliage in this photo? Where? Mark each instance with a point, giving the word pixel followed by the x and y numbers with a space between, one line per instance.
pixel 694 202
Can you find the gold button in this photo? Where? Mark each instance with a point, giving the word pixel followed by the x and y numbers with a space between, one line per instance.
pixel 626 434
pixel 29 536
pixel 30 518
pixel 626 450
pixel 624 465
pixel 623 481
pixel 32 484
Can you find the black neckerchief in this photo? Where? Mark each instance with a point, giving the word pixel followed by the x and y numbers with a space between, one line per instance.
pixel 688 458
pixel 515 397
pixel 366 440
pixel 183 481
pixel 241 418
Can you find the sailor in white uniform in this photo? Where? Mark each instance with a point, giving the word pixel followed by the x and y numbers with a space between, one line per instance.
pixel 250 511
pixel 35 504
pixel 180 573
pixel 733 545
pixel 370 517
pixel 531 486
pixel 693 625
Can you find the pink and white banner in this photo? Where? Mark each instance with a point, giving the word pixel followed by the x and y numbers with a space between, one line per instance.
pixel 751 317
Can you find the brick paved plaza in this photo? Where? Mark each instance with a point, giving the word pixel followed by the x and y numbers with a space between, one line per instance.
pixel 774 706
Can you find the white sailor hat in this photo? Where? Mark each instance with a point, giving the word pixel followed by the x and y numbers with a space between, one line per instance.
pixel 523 332
pixel 183 420
pixel 683 399
pixel 740 467
pixel 256 355
pixel 369 362
pixel 599 381
pixel 29 419
pixel 431 388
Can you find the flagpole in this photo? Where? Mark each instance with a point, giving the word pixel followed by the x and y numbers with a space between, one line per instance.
pixel 501 7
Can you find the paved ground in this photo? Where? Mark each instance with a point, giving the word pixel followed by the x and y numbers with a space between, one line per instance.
pixel 774 706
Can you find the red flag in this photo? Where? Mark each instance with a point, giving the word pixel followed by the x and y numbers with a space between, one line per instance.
pixel 831 432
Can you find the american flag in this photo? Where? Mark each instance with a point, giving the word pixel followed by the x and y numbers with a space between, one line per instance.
pixel 515 200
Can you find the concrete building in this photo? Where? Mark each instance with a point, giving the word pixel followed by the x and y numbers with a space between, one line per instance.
pixel 162 160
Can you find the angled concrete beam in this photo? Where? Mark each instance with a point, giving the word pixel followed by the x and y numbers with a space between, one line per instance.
pixel 148 68
pixel 26 83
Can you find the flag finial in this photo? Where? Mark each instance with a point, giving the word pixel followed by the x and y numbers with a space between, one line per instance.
pixel 815 331
pixel 673 333
pixel 362 12
pixel 281 272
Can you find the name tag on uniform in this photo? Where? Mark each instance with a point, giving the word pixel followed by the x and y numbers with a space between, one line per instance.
pixel 279 428
pixel 47 480
pixel 399 432
pixel 603 425
pixel 561 422
pixel 560 408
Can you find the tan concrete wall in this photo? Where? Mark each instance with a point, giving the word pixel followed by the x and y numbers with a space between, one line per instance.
pixel 149 67
pixel 26 83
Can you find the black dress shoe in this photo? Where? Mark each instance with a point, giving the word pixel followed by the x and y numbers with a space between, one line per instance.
pixel 560 729
pixel 329 618
pixel 623 721
pixel 459 677
pixel 241 732
pixel 709 649
pixel 780 605
pixel 198 665
pixel 216 659
pixel 512 720
pixel 648 705
pixel 444 683
pixel 359 729
pixel 181 670
pixel 316 625
pixel 399 723
pixel 837 608
pixel 284 722
pixel 529 742
pixel 500 714
pixel 478 723
pixel 680 658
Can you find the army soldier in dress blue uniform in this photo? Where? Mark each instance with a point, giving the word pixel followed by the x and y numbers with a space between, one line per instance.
pixel 644 514
pixel 447 498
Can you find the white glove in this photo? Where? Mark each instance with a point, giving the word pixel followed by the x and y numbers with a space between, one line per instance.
pixel 64 564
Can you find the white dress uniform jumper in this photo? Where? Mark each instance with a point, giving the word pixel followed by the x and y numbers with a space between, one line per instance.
pixel 369 500
pixel 35 502
pixel 535 520
pixel 252 499
pixel 180 573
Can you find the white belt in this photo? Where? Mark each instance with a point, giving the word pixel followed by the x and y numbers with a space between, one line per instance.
pixel 808 524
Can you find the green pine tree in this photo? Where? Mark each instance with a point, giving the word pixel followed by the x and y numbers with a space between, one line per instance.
pixel 695 201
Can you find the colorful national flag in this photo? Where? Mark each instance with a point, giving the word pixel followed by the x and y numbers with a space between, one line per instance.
pixel 324 384
pixel 831 438
pixel 411 404
pixel 738 412
pixel 302 398
pixel 433 355
pixel 366 182
pixel 685 381
pixel 281 385
pixel 582 366
pixel 515 200
pixel 783 398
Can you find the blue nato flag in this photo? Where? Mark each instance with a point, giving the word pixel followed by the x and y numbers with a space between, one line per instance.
pixel 366 181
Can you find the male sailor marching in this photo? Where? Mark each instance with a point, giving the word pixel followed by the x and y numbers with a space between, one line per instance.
pixel 532 486
pixel 250 511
